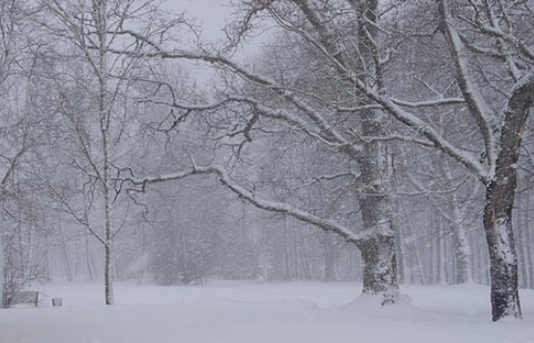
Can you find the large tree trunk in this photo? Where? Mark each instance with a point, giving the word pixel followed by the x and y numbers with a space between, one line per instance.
pixel 502 252
pixel 500 195
pixel 379 272
pixel 378 249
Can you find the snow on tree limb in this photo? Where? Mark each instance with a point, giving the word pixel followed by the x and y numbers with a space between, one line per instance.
pixel 470 161
pixel 524 86
pixel 267 205
pixel 388 104
pixel 329 136
pixel 476 104
pixel 512 66
pixel 464 157
pixel 332 53
pixel 511 39
pixel 429 103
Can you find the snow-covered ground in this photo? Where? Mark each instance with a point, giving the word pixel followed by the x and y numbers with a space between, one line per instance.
pixel 240 312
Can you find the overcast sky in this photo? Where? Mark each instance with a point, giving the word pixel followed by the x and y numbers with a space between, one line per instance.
pixel 212 15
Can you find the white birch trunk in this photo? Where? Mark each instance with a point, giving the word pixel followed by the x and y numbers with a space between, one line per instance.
pixel 100 9
pixel 461 247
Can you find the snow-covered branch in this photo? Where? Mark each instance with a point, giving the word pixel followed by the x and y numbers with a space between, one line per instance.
pixel 511 39
pixel 331 52
pixel 428 103
pixel 330 137
pixel 468 159
pixel 245 194
pixel 394 109
pixel 476 104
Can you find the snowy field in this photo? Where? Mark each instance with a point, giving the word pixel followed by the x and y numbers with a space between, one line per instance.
pixel 239 312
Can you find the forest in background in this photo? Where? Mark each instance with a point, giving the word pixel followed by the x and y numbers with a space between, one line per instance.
pixel 365 141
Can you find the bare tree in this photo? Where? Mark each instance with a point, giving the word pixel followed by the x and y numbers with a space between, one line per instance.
pixel 377 243
pixel 93 86
pixel 20 135
pixel 488 51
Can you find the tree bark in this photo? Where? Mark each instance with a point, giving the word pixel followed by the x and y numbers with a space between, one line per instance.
pixel 378 250
pixel 500 195
pixel 379 268
pixel 502 252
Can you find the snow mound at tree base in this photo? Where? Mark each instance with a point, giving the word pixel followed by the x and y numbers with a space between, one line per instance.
pixel 372 306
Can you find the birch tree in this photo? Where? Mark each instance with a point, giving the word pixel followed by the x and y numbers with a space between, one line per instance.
pixel 92 88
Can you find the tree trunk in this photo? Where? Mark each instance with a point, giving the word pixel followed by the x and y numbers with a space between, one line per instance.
pixel 463 256
pixel 88 259
pixel 461 245
pixel 401 263
pixel 330 258
pixel 287 267
pixel 528 243
pixel 378 249
pixel 440 255
pixel 2 276
pixel 108 277
pixel 104 124
pixel 500 195
pixel 379 267
pixel 521 226
pixel 502 252
pixel 416 260
pixel 64 250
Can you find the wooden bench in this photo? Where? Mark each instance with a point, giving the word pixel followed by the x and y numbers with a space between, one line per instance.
pixel 26 297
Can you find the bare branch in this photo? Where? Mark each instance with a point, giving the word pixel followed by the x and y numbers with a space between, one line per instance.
pixel 245 194
pixel 478 108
